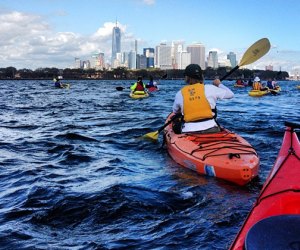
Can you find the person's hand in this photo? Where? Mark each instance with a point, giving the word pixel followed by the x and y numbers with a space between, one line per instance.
pixel 217 82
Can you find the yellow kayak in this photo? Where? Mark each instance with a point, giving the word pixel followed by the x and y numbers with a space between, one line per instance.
pixel 298 87
pixel 66 85
pixel 138 96
pixel 258 92
pixel 276 90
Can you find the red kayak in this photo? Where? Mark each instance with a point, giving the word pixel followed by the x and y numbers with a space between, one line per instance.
pixel 152 89
pixel 274 220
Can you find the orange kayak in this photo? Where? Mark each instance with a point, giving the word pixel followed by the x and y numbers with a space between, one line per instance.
pixel 274 220
pixel 224 155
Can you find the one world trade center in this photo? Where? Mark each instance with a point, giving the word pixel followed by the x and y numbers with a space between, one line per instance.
pixel 116 43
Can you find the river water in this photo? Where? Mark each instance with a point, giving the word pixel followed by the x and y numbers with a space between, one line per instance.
pixel 74 173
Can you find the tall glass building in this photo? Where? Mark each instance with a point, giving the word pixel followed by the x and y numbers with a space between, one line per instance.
pixel 116 43
pixel 149 54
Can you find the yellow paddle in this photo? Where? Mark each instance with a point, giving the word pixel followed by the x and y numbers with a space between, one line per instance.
pixel 154 135
pixel 252 54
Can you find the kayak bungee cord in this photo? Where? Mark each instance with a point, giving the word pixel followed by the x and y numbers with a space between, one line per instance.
pixel 212 146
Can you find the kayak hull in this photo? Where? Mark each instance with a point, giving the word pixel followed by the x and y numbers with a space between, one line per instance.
pixel 280 194
pixel 276 90
pixel 224 155
pixel 138 96
pixel 257 93
pixel 152 89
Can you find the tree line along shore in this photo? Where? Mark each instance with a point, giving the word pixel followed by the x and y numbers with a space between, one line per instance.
pixel 121 73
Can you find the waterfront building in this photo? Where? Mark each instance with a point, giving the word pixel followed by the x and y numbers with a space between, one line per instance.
pixel 197 54
pixel 232 58
pixel 269 68
pixel 125 59
pixel 77 63
pixel 163 56
pixel 116 43
pixel 132 60
pixel 141 62
pixel 212 60
pixel 149 54
pixel 98 61
pixel 86 64
pixel 183 59
pixel 177 46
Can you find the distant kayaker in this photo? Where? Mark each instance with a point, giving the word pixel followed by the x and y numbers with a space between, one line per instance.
pixel 197 102
pixel 151 83
pixel 271 84
pixel 57 82
pixel 239 82
pixel 139 87
pixel 257 85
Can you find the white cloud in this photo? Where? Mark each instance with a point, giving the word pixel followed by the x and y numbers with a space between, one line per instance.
pixel 149 2
pixel 28 41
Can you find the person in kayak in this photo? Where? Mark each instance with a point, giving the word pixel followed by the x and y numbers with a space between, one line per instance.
pixel 257 85
pixel 151 83
pixel 138 88
pixel 239 82
pixel 57 82
pixel 271 84
pixel 197 102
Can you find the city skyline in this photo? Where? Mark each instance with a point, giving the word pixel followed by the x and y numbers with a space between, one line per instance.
pixel 52 33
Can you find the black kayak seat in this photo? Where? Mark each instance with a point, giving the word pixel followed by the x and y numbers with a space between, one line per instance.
pixel 280 232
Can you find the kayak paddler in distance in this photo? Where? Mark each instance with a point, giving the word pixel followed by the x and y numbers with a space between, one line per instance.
pixel 197 102
pixel 59 84
pixel 138 88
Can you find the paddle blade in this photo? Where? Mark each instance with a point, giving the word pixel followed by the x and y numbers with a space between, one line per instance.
pixel 256 51
pixel 119 88
pixel 152 135
pixel 164 76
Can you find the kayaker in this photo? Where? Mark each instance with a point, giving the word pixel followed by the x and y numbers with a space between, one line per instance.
pixel 257 85
pixel 139 87
pixel 271 84
pixel 197 102
pixel 57 82
pixel 239 82
pixel 151 83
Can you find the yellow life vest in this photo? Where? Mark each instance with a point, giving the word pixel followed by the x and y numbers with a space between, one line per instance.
pixel 195 105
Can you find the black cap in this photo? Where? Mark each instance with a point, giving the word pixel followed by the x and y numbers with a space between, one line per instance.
pixel 193 71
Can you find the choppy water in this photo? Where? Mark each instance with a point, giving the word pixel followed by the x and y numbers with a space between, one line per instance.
pixel 74 175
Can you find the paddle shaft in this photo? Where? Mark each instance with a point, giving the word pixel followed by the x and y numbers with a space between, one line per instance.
pixel 170 121
pixel 229 73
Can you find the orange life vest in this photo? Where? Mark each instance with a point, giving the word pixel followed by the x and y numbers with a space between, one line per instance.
pixel 256 85
pixel 195 105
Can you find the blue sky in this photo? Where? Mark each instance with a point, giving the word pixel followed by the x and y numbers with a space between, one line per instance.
pixel 50 33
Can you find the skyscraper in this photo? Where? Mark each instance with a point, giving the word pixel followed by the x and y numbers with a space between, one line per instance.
pixel 212 60
pixel 149 53
pixel 197 54
pixel 163 56
pixel 116 43
pixel 232 58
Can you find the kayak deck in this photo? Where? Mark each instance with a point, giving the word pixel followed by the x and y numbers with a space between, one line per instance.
pixel 280 194
pixel 138 96
pixel 224 155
